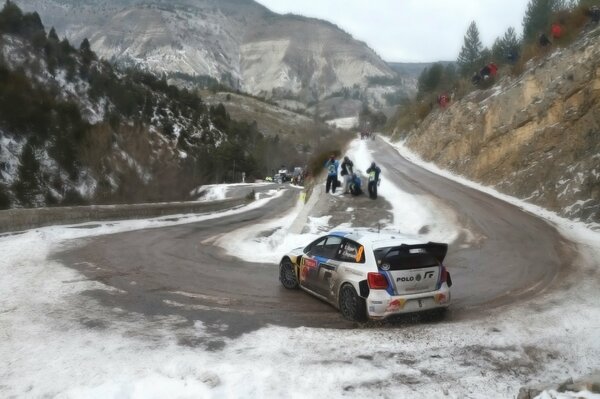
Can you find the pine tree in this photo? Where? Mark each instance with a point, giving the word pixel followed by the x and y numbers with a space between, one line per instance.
pixel 470 54
pixel 506 49
pixel 4 198
pixel 27 186
pixel 538 17
pixel 87 55
pixel 430 79
pixel 52 35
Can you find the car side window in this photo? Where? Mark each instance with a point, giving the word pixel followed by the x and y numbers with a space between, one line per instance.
pixel 351 251
pixel 326 247
pixel 315 247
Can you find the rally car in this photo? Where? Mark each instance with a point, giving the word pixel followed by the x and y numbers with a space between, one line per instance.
pixel 370 275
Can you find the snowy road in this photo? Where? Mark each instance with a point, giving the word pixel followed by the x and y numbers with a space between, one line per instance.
pixel 500 255
pixel 164 312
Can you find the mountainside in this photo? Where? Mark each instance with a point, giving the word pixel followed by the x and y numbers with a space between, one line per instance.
pixel 235 41
pixel 536 136
pixel 73 129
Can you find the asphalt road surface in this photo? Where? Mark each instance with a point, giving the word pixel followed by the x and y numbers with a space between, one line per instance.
pixel 177 271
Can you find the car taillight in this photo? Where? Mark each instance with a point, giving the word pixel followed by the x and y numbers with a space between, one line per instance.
pixel 377 281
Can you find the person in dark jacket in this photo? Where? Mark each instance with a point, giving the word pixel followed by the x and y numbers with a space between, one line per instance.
pixel 594 13
pixel 332 171
pixel 347 171
pixel 543 40
pixel 373 173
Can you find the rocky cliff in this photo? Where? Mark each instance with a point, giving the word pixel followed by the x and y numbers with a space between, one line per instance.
pixel 536 136
pixel 239 42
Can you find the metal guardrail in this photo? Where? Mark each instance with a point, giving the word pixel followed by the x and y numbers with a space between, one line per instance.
pixel 22 219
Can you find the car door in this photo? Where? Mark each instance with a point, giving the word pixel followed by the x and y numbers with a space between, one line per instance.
pixel 319 264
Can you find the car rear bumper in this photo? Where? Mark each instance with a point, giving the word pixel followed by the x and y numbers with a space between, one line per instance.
pixel 380 304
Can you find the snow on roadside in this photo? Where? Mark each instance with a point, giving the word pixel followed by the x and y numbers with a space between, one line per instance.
pixel 410 212
pixel 265 242
pixel 344 123
pixel 216 192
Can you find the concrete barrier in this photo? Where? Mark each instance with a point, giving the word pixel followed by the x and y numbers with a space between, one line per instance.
pixel 21 219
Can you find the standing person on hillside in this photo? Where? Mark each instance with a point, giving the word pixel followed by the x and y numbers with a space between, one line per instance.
pixel 556 30
pixel 347 170
pixel 374 180
pixel 332 170
pixel 594 13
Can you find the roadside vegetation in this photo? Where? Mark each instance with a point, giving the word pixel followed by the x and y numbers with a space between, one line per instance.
pixel 509 53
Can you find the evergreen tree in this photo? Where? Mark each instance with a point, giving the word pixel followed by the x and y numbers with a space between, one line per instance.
pixel 538 17
pixel 52 35
pixel 87 55
pixel 430 79
pixel 506 49
pixel 4 198
pixel 27 186
pixel 470 54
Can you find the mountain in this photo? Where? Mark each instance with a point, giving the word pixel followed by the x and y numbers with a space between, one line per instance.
pixel 73 129
pixel 533 136
pixel 238 42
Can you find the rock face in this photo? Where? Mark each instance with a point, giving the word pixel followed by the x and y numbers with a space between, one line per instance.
pixel 536 137
pixel 237 41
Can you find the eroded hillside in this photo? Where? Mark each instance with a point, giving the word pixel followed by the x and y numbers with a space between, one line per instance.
pixel 536 136
pixel 239 43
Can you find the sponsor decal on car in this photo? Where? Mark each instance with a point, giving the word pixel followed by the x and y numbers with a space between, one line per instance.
pixel 309 262
pixel 306 266
pixel 396 304
pixel 359 253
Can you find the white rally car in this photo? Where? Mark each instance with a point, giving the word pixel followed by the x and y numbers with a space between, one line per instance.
pixel 370 275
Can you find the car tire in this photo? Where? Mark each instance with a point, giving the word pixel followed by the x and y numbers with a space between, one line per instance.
pixel 287 274
pixel 352 306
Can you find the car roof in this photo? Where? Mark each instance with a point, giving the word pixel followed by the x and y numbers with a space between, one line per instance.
pixel 378 238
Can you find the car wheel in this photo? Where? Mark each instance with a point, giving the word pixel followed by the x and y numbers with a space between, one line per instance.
pixel 352 306
pixel 287 274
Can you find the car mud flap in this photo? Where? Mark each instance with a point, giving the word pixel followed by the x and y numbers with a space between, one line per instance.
pixel 363 287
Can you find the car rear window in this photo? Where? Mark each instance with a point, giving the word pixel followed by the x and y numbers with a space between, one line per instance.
pixel 402 260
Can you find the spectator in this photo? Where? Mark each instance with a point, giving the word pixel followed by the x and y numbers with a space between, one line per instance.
pixel 556 31
pixel 493 69
pixel 374 180
pixel 594 14
pixel 443 100
pixel 512 56
pixel 543 40
pixel 355 185
pixel 332 170
pixel 347 171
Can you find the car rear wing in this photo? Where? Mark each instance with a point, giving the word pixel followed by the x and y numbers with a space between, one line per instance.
pixel 435 250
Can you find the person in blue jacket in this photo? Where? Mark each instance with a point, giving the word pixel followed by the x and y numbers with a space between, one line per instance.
pixel 332 174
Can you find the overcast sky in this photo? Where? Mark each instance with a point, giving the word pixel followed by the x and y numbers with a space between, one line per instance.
pixel 412 30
